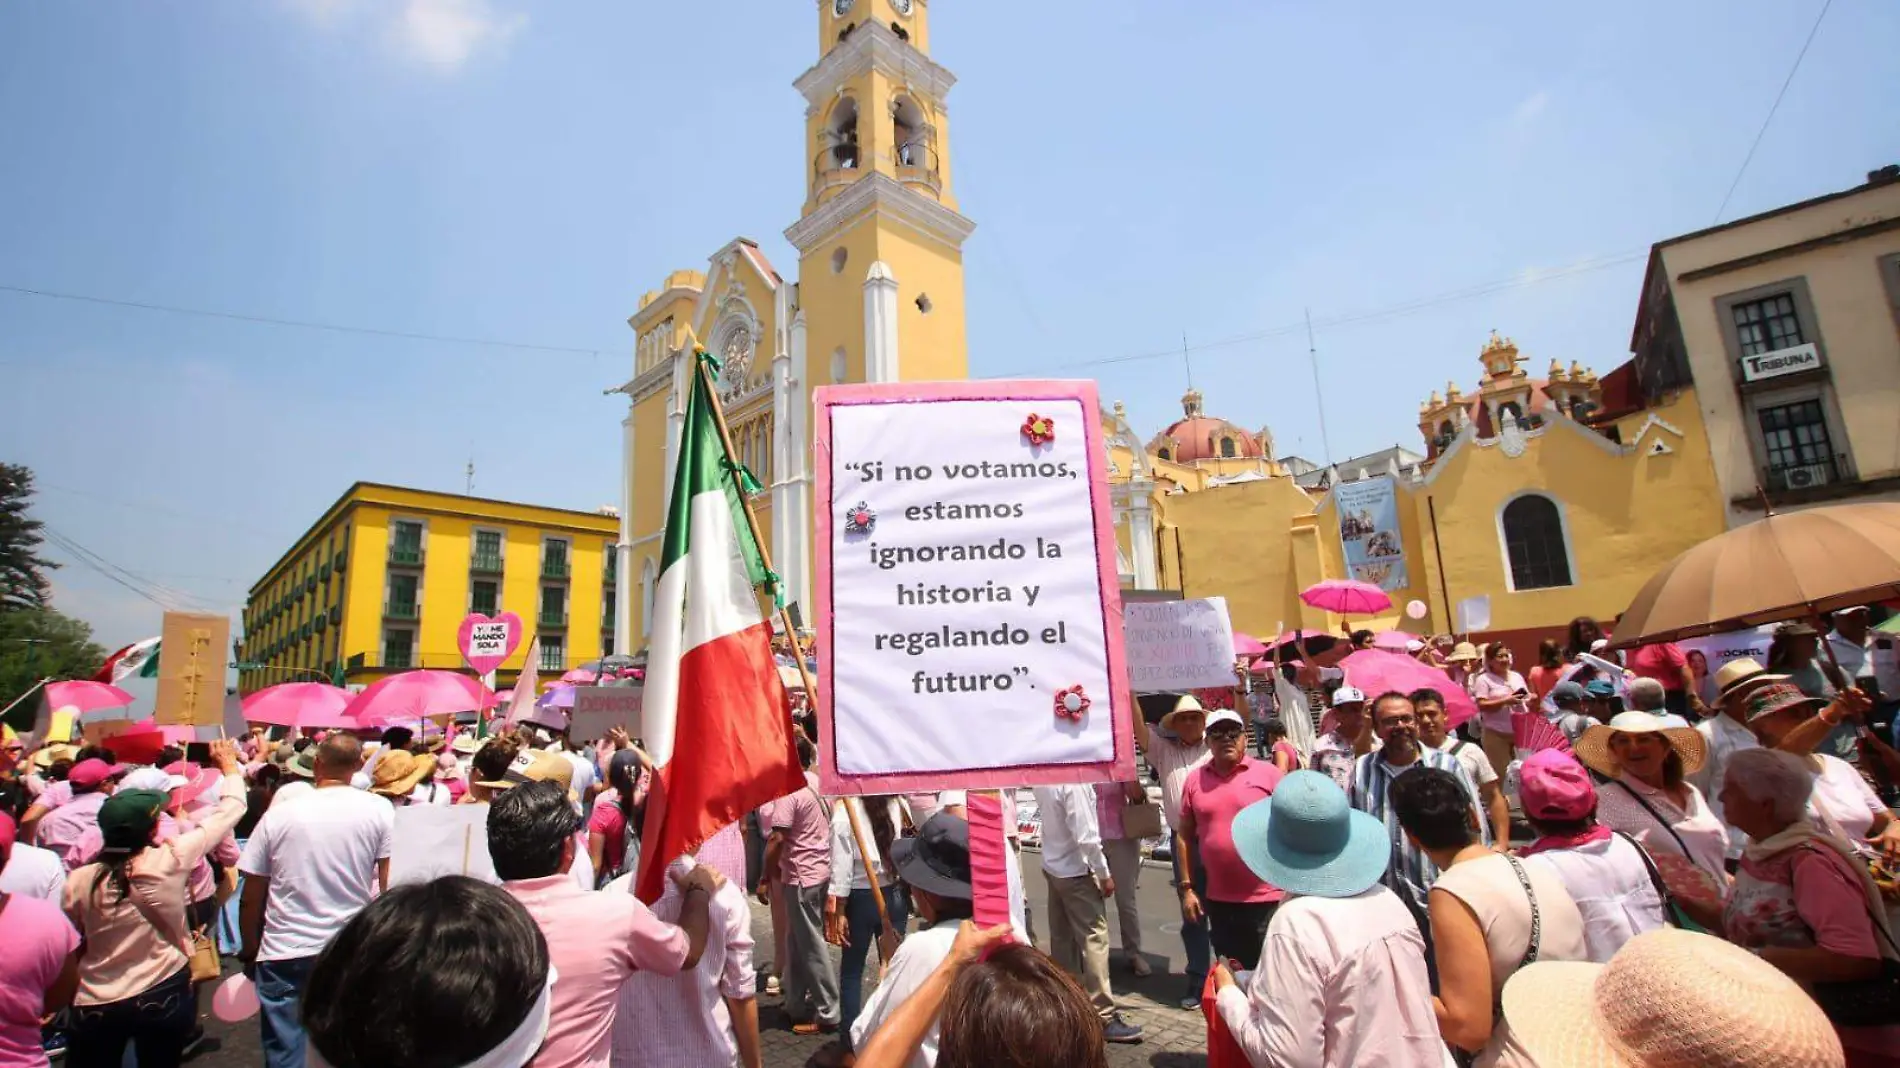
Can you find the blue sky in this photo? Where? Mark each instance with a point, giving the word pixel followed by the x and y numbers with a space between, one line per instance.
pixel 506 170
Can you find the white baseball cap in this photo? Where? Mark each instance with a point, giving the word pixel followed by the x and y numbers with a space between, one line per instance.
pixel 1348 695
pixel 1225 715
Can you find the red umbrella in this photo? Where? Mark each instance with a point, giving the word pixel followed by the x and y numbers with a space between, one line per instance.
pixel 298 704
pixel 83 696
pixel 415 695
pixel 1375 671
pixel 1347 597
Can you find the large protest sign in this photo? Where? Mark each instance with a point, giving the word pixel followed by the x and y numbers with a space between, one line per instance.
pixel 1369 535
pixel 431 841
pixel 969 614
pixel 599 709
pixel 195 650
pixel 1179 645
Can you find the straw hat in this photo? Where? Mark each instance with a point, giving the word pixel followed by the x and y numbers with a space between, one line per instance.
pixel 1669 997
pixel 1593 745
pixel 302 765
pixel 1187 704
pixel 399 772
pixel 1780 697
pixel 1737 676
pixel 466 744
pixel 1463 651
pixel 1308 840
pixel 53 754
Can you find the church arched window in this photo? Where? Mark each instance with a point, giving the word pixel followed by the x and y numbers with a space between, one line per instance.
pixel 1227 447
pixel 1510 411
pixel 1536 545
pixel 1165 453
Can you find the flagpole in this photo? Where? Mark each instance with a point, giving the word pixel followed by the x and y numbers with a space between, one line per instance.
pixel 885 945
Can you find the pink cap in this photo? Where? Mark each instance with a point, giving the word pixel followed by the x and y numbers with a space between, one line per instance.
pixel 91 772
pixel 1553 786
pixel 7 832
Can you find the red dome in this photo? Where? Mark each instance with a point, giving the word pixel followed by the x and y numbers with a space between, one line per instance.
pixel 1203 437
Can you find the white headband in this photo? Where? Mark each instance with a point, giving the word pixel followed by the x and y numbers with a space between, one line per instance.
pixel 515 1051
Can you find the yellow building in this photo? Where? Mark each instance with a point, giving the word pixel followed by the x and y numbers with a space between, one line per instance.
pixel 878 298
pixel 1549 497
pixel 381 582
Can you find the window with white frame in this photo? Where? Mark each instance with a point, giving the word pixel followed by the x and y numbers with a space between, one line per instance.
pixel 1534 544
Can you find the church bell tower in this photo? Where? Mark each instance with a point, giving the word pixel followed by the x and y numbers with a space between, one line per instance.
pixel 880 240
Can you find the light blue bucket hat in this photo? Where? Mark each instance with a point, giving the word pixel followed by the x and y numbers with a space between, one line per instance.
pixel 1306 839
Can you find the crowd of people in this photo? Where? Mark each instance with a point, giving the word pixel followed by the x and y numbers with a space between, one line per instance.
pixel 1692 868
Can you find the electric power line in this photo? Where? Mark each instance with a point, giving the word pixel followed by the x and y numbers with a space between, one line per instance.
pixel 1772 108
pixel 156 592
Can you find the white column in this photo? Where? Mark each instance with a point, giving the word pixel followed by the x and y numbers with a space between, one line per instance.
pixel 791 465
pixel 623 550
pixel 880 324
pixel 1141 532
pixel 675 421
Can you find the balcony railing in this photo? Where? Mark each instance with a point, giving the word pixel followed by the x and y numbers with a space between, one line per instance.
pixel 398 658
pixel 490 562
pixel 917 165
pixel 554 569
pixel 834 167
pixel 1820 471
pixel 405 555
pixel 401 610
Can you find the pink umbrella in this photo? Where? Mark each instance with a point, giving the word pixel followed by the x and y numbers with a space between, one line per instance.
pixel 83 696
pixel 298 704
pixel 1376 671
pixel 1347 597
pixel 1247 645
pixel 1393 640
pixel 581 676
pixel 560 695
pixel 415 695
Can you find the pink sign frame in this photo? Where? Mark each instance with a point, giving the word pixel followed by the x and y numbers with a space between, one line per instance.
pixel 1121 766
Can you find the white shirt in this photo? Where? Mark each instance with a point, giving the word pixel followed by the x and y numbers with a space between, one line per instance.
pixel 1852 656
pixel 320 856
pixel 1842 796
pixel 1172 760
pixel 291 791
pixel 1613 890
pixel 681 1021
pixel 1723 738
pixel 913 962
pixel 34 872
pixel 1071 839
pixel 584 777
pixel 429 793
pixel 1341 982
pixel 847 868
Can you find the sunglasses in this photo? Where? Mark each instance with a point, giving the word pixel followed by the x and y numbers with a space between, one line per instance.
pixel 1225 730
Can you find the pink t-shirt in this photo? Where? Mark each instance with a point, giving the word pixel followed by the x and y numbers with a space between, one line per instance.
pixel 595 941
pixel 1662 661
pixel 39 938
pixel 806 859
pixel 610 823
pixel 1210 803
pixel 1485 687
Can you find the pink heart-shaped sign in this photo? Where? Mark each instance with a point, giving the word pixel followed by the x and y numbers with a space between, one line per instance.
pixel 487 641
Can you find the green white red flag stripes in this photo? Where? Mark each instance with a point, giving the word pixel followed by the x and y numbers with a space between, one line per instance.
pixel 139 658
pixel 716 720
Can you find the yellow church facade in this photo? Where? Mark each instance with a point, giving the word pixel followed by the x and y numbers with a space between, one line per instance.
pixel 878 296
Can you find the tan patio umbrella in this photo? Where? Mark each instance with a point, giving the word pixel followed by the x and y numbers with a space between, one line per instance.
pixel 1783 567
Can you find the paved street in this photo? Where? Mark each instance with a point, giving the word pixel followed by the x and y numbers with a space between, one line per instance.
pixel 1174 1038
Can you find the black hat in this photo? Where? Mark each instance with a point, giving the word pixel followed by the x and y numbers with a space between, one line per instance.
pixel 938 859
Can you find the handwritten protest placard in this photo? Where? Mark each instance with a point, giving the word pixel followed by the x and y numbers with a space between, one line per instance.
pixel 1179 645
pixel 599 709
pixel 431 841
pixel 969 612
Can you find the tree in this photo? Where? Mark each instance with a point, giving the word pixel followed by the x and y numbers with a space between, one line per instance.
pixel 22 570
pixel 38 643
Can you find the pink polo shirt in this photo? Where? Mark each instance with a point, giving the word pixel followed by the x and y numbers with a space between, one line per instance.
pixel 1211 801
pixel 595 942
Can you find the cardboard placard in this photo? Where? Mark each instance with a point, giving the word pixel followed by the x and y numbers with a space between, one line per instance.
pixel 599 709
pixel 194 650
pixel 1178 645
pixel 436 840
pixel 969 611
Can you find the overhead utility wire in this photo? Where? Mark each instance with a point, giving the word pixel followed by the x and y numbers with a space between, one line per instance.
pixel 1772 108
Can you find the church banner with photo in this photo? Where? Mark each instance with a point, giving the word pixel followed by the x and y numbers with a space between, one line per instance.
pixel 969 610
pixel 1369 535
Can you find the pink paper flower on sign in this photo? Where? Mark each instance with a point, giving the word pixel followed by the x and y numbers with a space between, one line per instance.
pixel 1072 703
pixel 859 519
pixel 1039 429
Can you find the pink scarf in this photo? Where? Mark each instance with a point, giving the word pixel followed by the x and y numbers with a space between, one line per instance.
pixel 1596 833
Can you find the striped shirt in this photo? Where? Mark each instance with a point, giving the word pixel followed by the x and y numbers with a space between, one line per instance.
pixel 1411 873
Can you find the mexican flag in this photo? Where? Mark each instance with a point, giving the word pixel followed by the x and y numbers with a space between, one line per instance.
pixel 717 721
pixel 139 658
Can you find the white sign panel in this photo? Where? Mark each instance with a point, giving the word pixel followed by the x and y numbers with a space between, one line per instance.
pixel 436 840
pixel 599 709
pixel 1780 362
pixel 1179 645
pixel 969 612
pixel 1474 614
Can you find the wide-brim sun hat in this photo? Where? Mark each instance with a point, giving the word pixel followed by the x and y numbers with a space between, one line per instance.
pixel 1738 676
pixel 1463 651
pixel 1306 839
pixel 302 765
pixel 1188 704
pixel 1669 997
pixel 466 744
pixel 399 772
pixel 1780 697
pixel 1593 745
pixel 53 754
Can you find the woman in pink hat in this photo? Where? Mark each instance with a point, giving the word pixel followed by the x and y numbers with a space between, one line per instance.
pixel 1614 883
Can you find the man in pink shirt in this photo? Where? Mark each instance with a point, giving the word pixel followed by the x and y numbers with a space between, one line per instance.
pixel 1237 903
pixel 595 940
pixel 798 864
pixel 64 827
pixel 1668 664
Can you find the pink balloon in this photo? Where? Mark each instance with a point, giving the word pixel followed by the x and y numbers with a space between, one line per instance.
pixel 235 999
